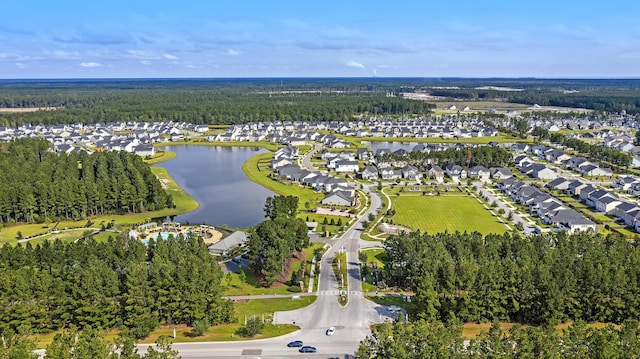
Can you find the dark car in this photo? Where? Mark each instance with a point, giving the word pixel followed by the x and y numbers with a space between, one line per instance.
pixel 307 349
pixel 295 344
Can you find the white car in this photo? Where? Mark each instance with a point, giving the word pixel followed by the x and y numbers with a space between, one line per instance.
pixel 331 331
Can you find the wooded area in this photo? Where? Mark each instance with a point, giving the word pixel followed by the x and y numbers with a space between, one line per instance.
pixel 273 241
pixel 199 102
pixel 422 339
pixel 116 284
pixel 39 185
pixel 551 278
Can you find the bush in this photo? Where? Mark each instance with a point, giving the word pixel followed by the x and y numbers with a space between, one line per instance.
pixel 253 327
pixel 200 326
pixel 294 289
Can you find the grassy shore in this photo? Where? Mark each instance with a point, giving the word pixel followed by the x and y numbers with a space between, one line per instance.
pixel 264 144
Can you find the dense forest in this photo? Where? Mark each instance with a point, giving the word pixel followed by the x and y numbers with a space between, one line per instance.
pixel 422 339
pixel 119 283
pixel 273 241
pixel 200 102
pixel 39 185
pixel 227 101
pixel 542 279
pixel 487 156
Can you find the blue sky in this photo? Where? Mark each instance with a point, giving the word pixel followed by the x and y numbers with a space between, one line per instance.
pixel 140 38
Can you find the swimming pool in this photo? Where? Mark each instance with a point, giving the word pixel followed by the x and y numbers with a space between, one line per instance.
pixel 163 235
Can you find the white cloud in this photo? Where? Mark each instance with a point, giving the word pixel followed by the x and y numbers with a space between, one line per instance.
pixel 232 52
pixel 20 65
pixel 90 64
pixel 355 64
pixel 145 62
pixel 170 57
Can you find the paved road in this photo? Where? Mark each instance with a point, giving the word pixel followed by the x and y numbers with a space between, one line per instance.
pixel 306 159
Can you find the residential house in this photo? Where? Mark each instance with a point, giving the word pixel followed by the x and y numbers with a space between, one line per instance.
pixel 560 184
pixel 369 173
pixel 479 172
pixel 346 166
pixel 607 204
pixel 389 174
pixel 437 173
pixel 410 172
pixel 338 198
pixel 571 221
pixel 500 173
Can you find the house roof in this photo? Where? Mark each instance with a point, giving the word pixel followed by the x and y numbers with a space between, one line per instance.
pixel 235 239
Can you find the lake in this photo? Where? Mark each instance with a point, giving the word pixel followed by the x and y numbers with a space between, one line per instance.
pixel 213 176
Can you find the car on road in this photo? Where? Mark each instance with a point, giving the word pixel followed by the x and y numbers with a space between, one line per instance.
pixel 331 331
pixel 295 344
pixel 308 349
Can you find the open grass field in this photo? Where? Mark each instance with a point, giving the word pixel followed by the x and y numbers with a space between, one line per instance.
pixel 435 214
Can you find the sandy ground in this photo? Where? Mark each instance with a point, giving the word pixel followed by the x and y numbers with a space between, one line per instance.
pixel 333 212
pixel 27 109
pixel 215 237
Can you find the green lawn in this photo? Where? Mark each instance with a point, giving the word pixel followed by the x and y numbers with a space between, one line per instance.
pixel 376 255
pixel 435 214
pixel 161 156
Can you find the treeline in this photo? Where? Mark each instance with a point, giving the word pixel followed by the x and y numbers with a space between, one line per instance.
pixel 612 100
pixel 203 105
pixel 549 278
pixel 39 185
pixel 593 152
pixel 487 156
pixel 421 339
pixel 118 283
pixel 273 241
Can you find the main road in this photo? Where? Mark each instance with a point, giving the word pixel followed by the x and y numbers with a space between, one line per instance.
pixel 352 322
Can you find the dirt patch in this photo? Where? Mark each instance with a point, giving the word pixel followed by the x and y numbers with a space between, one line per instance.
pixel 283 278
pixel 164 183
pixel 393 228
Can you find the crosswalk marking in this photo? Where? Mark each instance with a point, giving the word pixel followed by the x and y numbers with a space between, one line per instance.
pixel 337 292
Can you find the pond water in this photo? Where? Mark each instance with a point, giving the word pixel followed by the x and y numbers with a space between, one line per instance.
pixel 213 176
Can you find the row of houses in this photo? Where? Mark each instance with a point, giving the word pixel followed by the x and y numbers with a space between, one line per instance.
pixel 602 200
pixel 138 138
pixel 435 172
pixel 550 210
pixel 575 163
pixel 337 190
